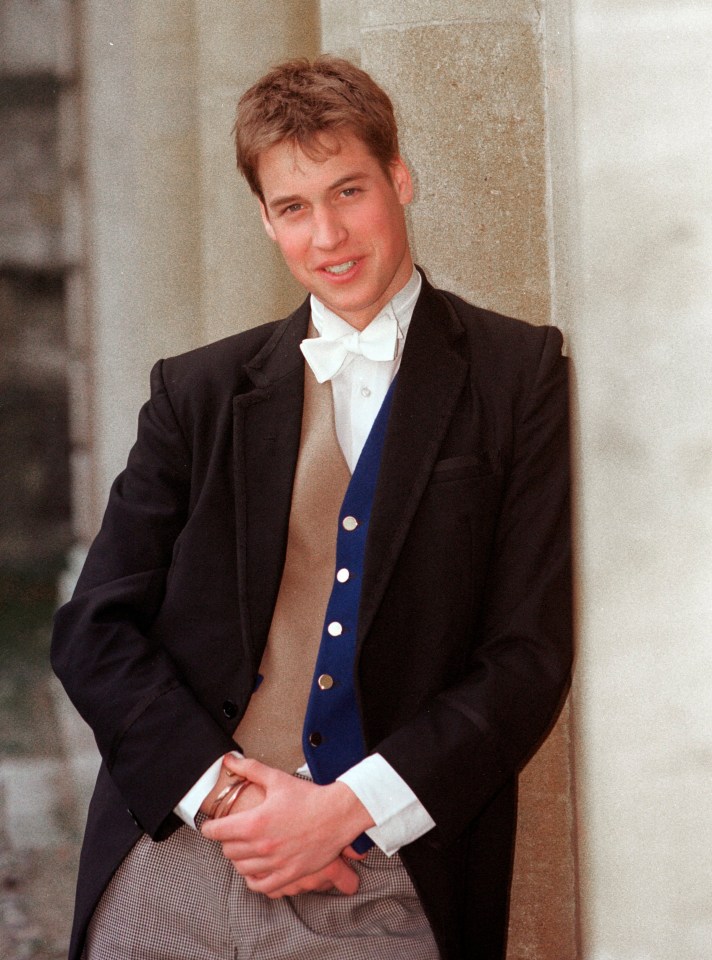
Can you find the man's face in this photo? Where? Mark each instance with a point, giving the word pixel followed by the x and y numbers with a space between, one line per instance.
pixel 339 222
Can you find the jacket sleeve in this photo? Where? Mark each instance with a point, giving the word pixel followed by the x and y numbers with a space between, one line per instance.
pixel 155 738
pixel 469 739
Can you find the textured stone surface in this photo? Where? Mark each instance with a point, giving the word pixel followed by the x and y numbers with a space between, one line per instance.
pixel 471 83
pixel 543 911
pixel 380 13
pixel 471 106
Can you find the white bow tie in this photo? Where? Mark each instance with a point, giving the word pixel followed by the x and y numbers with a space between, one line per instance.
pixel 379 341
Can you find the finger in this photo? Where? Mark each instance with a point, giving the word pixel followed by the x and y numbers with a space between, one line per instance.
pixel 352 854
pixel 224 828
pixel 274 884
pixel 343 878
pixel 252 867
pixel 253 856
pixel 313 884
pixel 270 884
pixel 242 826
pixel 248 768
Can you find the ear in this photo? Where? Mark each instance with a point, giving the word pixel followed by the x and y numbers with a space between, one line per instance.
pixel 402 181
pixel 266 222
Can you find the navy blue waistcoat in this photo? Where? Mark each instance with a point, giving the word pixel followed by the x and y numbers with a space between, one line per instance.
pixel 332 737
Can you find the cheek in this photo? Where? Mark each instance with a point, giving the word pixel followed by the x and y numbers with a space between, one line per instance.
pixel 388 224
pixel 293 248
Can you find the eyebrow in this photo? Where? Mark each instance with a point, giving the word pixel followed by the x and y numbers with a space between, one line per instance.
pixel 289 199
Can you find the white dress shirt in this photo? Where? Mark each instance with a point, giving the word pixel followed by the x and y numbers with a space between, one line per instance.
pixel 359 388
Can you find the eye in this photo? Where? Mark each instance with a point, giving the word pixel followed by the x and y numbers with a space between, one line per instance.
pixel 292 208
pixel 350 191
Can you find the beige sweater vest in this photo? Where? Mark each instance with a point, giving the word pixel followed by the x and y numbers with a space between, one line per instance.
pixel 271 729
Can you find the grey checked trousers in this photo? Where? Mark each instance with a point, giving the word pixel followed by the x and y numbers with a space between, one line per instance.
pixel 182 900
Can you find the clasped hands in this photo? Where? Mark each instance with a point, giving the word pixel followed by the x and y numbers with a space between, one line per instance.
pixel 287 836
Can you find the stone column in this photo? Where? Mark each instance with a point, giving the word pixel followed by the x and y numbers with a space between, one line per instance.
pixel 244 279
pixel 471 82
pixel 175 250
pixel 114 243
pixel 642 340
pixel 167 196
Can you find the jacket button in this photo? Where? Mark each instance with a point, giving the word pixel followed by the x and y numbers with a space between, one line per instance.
pixel 349 523
pixel 315 739
pixel 229 709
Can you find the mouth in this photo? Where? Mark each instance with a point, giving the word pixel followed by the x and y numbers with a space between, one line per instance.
pixel 338 269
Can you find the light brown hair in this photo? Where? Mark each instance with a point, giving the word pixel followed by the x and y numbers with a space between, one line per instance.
pixel 300 101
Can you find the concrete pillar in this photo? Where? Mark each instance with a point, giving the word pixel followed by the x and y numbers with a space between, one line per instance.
pixel 470 82
pixel 642 340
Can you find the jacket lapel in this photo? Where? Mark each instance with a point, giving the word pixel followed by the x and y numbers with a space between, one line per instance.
pixel 430 380
pixel 266 430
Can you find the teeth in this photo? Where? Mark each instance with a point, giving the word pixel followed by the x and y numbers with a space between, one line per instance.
pixel 341 267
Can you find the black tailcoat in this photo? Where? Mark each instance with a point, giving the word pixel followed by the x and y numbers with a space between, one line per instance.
pixel 465 629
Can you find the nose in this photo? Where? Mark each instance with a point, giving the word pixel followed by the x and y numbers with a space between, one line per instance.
pixel 328 232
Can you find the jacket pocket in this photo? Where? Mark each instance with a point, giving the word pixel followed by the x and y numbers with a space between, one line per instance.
pixel 466 465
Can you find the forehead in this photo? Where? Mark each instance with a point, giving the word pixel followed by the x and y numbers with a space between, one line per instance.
pixel 286 167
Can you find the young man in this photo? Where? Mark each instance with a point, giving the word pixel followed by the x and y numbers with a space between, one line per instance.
pixel 340 548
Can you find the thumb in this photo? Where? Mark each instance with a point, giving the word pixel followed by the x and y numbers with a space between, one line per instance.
pixel 250 769
pixel 344 879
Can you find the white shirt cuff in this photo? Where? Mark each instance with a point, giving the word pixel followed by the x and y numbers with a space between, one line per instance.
pixel 399 816
pixel 189 805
